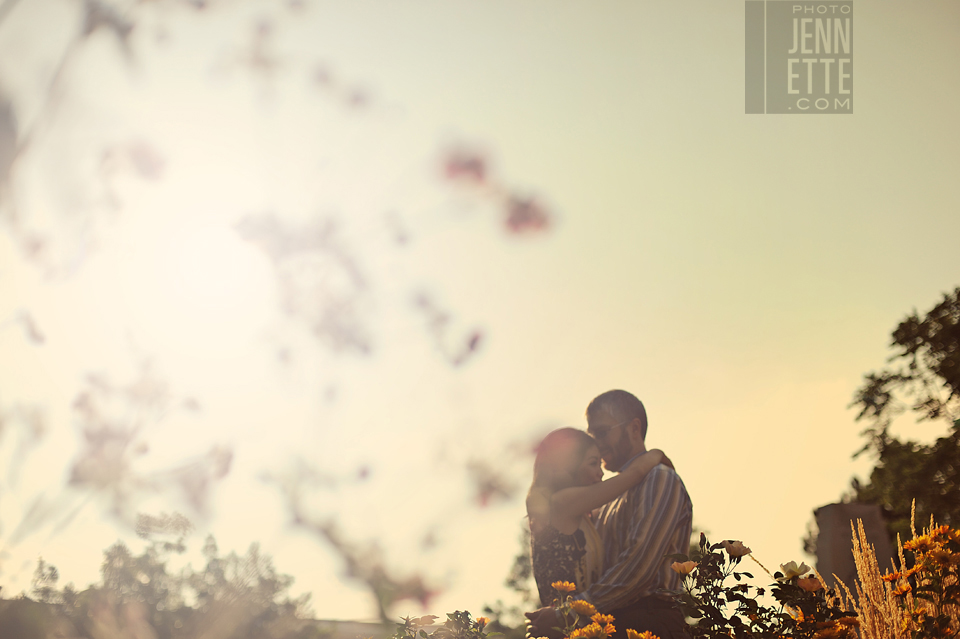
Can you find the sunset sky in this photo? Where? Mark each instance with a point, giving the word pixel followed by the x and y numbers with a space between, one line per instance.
pixel 246 206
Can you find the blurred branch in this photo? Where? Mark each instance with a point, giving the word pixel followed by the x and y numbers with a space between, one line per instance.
pixel 363 564
pixel 6 8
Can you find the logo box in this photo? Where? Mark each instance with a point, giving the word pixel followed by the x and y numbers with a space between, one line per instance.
pixel 798 57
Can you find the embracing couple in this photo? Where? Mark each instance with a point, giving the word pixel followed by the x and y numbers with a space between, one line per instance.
pixel 617 556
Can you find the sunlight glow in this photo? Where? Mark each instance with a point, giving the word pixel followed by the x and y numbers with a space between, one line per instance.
pixel 196 289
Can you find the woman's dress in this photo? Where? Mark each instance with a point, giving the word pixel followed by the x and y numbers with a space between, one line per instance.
pixel 558 557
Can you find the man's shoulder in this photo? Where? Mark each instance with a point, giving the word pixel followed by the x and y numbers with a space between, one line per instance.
pixel 662 474
pixel 661 483
pixel 661 479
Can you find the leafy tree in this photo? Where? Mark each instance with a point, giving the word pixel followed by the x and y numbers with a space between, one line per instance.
pixel 922 377
pixel 44 584
pixel 243 597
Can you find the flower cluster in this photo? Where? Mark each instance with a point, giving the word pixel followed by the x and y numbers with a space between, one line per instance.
pixel 579 619
pixel 926 591
pixel 720 610
pixel 459 625
pixel 929 591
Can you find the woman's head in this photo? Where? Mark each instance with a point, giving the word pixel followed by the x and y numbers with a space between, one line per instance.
pixel 566 457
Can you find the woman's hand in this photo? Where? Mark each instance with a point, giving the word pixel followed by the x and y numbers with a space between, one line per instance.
pixel 648 460
pixel 544 622
pixel 663 458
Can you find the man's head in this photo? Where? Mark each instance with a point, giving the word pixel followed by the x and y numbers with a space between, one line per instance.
pixel 618 421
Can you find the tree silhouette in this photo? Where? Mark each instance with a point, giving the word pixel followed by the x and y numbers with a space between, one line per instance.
pixel 138 595
pixel 923 378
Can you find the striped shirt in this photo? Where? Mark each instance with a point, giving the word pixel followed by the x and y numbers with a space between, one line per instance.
pixel 652 519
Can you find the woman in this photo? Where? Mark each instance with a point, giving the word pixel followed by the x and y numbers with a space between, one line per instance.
pixel 567 486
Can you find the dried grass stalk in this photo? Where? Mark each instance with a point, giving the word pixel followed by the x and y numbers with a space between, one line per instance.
pixel 881 615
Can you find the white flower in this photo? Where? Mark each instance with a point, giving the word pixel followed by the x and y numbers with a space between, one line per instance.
pixel 735 548
pixel 791 569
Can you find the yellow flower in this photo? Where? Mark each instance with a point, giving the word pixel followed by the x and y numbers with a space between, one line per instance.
pixel 609 629
pixel 791 569
pixel 582 607
pixel 940 531
pixel 735 548
pixel 601 618
pixel 564 586
pixel 587 632
pixel 482 621
pixel 919 545
pixel 831 632
pixel 810 584
pixel 646 634
pixel 902 589
pixel 684 568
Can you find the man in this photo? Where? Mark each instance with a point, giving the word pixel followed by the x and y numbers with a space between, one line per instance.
pixel 651 520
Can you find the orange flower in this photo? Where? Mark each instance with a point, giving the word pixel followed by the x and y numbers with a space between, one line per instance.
pixel 939 531
pixel 810 584
pixel 919 545
pixel 891 576
pixel 684 568
pixel 482 621
pixel 646 634
pixel 601 618
pixel 587 632
pixel 833 632
pixel 563 586
pixel 582 607
pixel 902 589
pixel 609 629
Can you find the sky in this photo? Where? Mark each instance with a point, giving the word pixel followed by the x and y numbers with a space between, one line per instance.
pixel 231 230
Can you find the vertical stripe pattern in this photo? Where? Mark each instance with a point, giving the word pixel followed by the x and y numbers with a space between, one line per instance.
pixel 652 519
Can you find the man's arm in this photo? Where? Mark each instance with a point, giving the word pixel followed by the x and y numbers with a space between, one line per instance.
pixel 659 525
pixel 568 505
